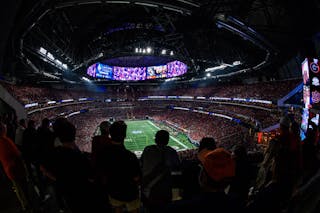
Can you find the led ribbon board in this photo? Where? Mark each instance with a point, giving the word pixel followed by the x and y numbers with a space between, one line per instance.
pixel 169 70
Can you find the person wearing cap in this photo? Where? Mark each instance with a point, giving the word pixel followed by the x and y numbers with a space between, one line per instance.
pixel 191 170
pixel 218 169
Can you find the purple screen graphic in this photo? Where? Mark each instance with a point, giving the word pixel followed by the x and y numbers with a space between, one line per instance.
pixel 91 71
pixel 171 69
pixel 129 73
pixel 176 68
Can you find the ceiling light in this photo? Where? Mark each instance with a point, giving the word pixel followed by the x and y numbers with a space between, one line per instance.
pixel 190 3
pixel 235 63
pixel 118 2
pixel 58 62
pixel 173 9
pixel 65 66
pixel 149 49
pixel 50 56
pixel 171 52
pixel 86 79
pixel 220 67
pixel 146 4
pixel 208 74
pixel 144 51
pixel 136 50
pixel 43 51
pixel 163 52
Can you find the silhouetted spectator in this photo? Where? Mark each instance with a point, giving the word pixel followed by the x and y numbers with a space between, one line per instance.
pixel 19 133
pixel 11 160
pixel 218 168
pixel 122 169
pixel 191 170
pixel 158 162
pixel 45 138
pixel 11 124
pixel 30 149
pixel 281 158
pixel 71 170
pixel 240 184
pixel 309 154
pixel 99 141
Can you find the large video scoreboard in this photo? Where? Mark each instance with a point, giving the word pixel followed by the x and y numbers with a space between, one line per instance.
pixel 169 70
pixel 311 94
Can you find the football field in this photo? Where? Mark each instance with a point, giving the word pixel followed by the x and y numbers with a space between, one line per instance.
pixel 141 134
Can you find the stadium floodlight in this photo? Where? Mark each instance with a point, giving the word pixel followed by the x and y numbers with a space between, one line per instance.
pixel 171 52
pixel 146 4
pixel 173 9
pixel 118 2
pixel 50 56
pixel 235 63
pixel 190 3
pixel 208 74
pixel 58 62
pixel 163 52
pixel 149 49
pixel 211 69
pixel 65 66
pixel 85 79
pixel 43 51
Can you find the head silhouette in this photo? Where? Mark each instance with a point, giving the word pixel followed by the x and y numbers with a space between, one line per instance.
pixel 118 131
pixel 162 137
pixel 104 127
pixel 207 143
pixel 64 130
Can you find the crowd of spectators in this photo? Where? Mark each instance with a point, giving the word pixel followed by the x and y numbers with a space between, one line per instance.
pixel 264 90
pixel 286 172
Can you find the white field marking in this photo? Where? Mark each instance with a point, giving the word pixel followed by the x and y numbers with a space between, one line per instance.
pixel 176 140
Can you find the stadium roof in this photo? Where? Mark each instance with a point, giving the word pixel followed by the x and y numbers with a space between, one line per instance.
pixel 58 39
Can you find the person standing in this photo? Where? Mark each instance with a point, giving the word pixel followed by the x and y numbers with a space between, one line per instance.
pixel 19 133
pixel 158 162
pixel 122 171
pixel 70 169
pixel 218 169
pixel 12 163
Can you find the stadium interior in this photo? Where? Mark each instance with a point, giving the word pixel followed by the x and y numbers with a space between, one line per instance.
pixel 237 71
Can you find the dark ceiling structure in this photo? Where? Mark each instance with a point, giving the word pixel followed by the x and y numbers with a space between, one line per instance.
pixel 57 40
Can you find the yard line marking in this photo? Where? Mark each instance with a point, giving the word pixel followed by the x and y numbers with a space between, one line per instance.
pixel 170 136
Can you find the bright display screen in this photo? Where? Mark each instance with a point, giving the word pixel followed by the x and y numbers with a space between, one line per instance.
pixel 129 73
pixel 176 68
pixel 103 71
pixel 157 72
pixel 91 71
pixel 311 94
pixel 169 70
pixel 99 70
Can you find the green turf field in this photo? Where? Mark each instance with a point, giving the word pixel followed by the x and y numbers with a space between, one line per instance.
pixel 141 134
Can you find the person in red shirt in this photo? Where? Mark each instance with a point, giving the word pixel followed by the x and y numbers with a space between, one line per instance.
pixel 12 163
